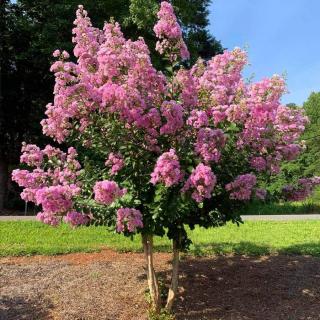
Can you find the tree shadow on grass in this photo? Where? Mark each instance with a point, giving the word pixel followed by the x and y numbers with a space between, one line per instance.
pixel 252 249
pixel 20 308
pixel 250 287
pixel 242 247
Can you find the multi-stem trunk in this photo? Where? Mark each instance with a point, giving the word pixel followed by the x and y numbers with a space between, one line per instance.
pixel 147 241
pixel 172 293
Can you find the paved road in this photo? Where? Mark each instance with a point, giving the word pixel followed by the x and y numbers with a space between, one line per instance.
pixel 282 217
pixel 13 218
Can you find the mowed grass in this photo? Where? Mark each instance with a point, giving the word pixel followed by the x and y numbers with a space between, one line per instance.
pixel 252 238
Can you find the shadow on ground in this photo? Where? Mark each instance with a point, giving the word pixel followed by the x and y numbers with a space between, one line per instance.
pixel 259 288
pixel 251 248
pixel 20 308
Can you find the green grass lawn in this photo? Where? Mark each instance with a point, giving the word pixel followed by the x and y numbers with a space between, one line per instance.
pixel 253 238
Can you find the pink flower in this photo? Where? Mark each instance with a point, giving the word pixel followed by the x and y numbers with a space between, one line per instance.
pixel 31 155
pixel 302 190
pixel 167 29
pixel 187 88
pixel 65 54
pixel 75 218
pixel 241 187
pixel 167 169
pixel 221 78
pixel 129 219
pixel 107 192
pixel 56 199
pixel 290 151
pixel 56 53
pixel 261 194
pixel 198 119
pixel 209 143
pixel 201 182
pixel 258 163
pixel 48 218
pixel 167 26
pixel 115 161
pixel 173 113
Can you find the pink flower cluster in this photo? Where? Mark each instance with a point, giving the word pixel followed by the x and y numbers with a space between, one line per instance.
pixel 209 143
pixel 302 190
pixel 64 54
pixel 169 33
pixel 221 78
pixel 56 199
pixel 167 169
pixel 31 181
pixel 31 155
pixel 241 188
pixel 270 128
pixel 129 219
pixel 289 152
pixel 173 113
pixel 106 192
pixel 187 88
pixel 198 119
pixel 261 194
pixel 115 161
pixel 75 218
pixel 201 182
pixel 52 184
pixel 48 218
pixel 258 163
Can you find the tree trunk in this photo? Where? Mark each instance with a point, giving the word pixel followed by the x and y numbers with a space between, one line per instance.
pixel 175 276
pixel 147 241
pixel 3 181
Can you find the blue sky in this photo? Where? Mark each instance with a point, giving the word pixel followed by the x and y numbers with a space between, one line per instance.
pixel 281 36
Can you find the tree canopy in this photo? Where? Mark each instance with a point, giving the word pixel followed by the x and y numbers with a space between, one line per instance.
pixel 165 149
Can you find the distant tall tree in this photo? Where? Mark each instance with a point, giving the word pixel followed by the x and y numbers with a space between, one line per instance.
pixel 32 30
pixel 193 16
pixel 311 136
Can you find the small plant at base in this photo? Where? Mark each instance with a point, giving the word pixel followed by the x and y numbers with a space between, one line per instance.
pixel 162 315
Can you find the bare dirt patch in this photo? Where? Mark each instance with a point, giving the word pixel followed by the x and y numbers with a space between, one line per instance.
pixel 109 285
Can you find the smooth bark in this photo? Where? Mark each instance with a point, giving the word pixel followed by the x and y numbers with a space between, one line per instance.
pixel 173 289
pixel 147 241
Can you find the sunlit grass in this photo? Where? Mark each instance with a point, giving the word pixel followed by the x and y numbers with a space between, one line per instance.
pixel 252 238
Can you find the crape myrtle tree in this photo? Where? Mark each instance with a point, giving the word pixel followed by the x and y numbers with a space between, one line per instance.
pixel 164 150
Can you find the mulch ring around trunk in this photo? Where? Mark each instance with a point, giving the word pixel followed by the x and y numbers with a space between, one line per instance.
pixel 111 286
